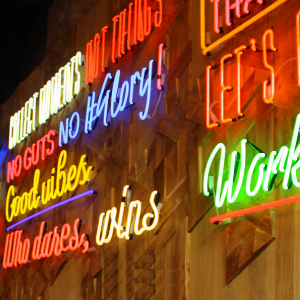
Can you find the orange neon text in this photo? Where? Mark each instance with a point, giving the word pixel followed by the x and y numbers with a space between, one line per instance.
pixel 50 189
pixel 268 98
pixel 16 252
pixel 268 87
pixel 129 28
pixel 43 148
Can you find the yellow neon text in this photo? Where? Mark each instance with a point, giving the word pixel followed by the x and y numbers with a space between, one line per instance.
pixel 50 189
pixel 108 221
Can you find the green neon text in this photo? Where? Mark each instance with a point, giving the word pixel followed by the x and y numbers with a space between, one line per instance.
pixel 285 161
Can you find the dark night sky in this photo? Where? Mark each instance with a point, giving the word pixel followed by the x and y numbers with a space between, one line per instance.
pixel 23 32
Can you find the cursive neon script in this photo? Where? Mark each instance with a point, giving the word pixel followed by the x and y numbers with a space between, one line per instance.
pixel 286 161
pixel 108 221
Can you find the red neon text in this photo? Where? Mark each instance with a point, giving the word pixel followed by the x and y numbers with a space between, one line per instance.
pixel 54 242
pixel 129 28
pixel 159 66
pixel 265 49
pixel 236 6
pixel 15 252
pixel 298 44
pixel 41 149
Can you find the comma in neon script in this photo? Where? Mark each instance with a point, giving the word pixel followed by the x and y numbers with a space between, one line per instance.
pixel 41 149
pixel 108 221
pixel 16 252
pixel 94 110
pixel 50 189
pixel 56 93
pixel 285 161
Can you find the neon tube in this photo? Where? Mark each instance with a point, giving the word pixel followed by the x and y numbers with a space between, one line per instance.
pixel 233 32
pixel 298 44
pixel 208 125
pixel 89 192
pixel 103 30
pixel 129 26
pixel 159 66
pixel 250 210
pixel 239 52
pixel 224 88
pixel 268 66
pixel 216 14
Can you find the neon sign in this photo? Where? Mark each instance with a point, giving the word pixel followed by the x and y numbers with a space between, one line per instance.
pixel 228 8
pixel 284 161
pixel 206 48
pixel 227 88
pixel 298 44
pixel 56 93
pixel 50 189
pixel 139 19
pixel 265 49
pixel 43 211
pixel 95 109
pixel 108 221
pixel 45 244
pixel 23 122
pixel 31 156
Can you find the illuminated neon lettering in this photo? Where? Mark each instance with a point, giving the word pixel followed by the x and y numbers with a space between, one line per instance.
pixel 140 23
pixel 51 189
pixel 250 173
pixel 147 19
pixel 66 87
pixel 159 66
pixel 14 168
pixel 95 109
pixel 158 15
pixel 31 156
pixel 47 244
pixel 146 88
pixel 285 161
pixel 298 44
pixel 108 221
pixel 208 124
pixel 49 208
pixel 129 27
pixel 224 88
pixel 22 123
pixel 267 33
pixel 113 47
pixel 122 33
pixel 239 52
pixel 68 131
pixel 89 62
pixel 15 252
pixel 103 30
pixel 216 15
pixel 207 48
pixel 135 22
